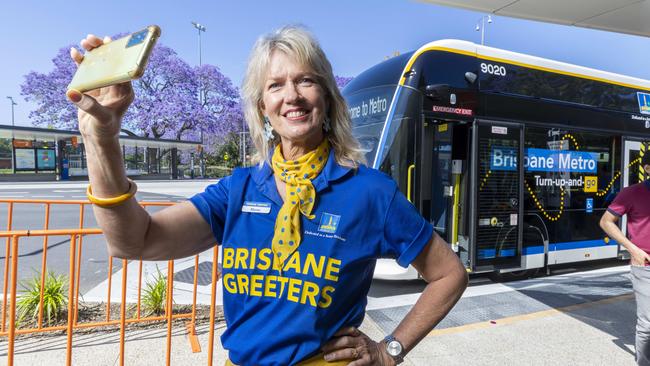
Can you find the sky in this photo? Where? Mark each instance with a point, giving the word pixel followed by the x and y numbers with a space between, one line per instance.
pixel 355 34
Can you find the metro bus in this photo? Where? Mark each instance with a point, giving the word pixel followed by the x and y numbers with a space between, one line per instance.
pixel 451 122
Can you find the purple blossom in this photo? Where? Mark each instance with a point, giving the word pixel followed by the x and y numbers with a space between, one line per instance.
pixel 167 102
pixel 342 81
pixel 47 91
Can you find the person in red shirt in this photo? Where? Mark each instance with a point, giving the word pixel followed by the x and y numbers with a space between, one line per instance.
pixel 634 201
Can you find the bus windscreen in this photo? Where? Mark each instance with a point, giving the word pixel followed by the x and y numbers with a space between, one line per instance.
pixel 368 110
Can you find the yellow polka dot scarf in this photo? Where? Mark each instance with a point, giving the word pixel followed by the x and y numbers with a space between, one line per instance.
pixel 300 197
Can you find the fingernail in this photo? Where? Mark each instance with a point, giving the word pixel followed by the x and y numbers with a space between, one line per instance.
pixel 328 357
pixel 74 96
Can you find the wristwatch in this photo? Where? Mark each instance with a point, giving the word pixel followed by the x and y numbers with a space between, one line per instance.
pixel 394 349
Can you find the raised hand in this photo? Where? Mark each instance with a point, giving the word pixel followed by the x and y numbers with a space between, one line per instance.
pixel 100 111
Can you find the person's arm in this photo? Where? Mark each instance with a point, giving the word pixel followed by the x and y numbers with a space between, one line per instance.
pixel 130 231
pixel 609 225
pixel 447 279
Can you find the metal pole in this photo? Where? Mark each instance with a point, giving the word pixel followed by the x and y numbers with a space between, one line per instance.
pixel 481 24
pixel 202 165
pixel 200 60
pixel 482 30
pixel 200 28
pixel 12 109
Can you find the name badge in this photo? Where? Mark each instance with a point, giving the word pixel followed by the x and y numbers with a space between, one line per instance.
pixel 256 207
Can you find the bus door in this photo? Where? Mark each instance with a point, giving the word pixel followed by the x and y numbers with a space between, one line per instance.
pixel 497 193
pixel 447 186
pixel 633 173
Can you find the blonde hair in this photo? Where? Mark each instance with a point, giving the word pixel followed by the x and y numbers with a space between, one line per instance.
pixel 298 43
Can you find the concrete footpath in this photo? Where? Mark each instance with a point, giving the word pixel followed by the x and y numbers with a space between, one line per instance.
pixel 583 318
pixel 173 188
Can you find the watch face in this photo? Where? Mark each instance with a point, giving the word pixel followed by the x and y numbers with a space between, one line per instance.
pixel 394 348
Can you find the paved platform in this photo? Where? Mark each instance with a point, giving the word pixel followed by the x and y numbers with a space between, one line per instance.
pixel 582 318
pixel 578 336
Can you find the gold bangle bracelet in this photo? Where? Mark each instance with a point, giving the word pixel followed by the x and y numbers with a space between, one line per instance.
pixel 114 201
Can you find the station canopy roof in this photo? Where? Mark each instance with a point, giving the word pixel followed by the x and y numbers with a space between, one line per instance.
pixel 47 134
pixel 622 16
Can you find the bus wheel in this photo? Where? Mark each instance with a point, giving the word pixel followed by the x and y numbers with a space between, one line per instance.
pixel 514 275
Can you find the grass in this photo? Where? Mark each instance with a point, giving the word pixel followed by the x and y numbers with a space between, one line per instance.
pixel 155 294
pixel 55 299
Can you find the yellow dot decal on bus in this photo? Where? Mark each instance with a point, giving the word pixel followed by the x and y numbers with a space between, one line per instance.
pixel 484 180
pixel 609 185
pixel 542 209
pixel 616 176
pixel 570 136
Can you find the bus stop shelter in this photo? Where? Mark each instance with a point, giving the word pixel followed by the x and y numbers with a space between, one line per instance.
pixel 30 153
pixel 622 16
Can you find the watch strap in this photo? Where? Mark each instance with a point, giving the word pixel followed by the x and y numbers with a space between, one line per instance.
pixel 398 358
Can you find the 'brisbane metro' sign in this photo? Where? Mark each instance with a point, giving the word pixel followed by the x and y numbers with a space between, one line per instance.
pixel 543 160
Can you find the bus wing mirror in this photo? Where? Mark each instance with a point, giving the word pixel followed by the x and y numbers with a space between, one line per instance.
pixel 471 77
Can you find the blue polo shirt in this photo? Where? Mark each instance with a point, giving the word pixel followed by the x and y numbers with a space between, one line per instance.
pixel 280 318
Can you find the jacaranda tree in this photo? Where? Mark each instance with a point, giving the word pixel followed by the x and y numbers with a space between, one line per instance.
pixel 173 99
pixel 342 81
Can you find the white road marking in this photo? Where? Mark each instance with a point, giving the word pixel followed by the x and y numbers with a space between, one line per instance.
pixel 66 190
pixel 375 303
pixel 40 196
pixel 182 291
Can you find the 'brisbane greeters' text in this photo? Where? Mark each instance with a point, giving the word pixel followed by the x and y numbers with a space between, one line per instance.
pixel 283 284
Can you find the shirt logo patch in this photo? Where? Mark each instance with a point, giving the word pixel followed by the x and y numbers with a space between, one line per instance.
pixel 256 207
pixel 329 223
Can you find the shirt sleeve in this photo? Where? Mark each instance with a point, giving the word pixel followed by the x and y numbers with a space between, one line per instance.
pixel 406 233
pixel 621 204
pixel 213 204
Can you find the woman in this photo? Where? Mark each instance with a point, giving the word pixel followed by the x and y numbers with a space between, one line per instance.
pixel 300 232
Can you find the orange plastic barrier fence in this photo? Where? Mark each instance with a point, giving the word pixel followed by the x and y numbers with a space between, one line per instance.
pixel 11 269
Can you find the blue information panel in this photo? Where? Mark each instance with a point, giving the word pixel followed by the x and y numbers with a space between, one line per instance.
pixel 543 160
pixel 589 205
pixel 45 159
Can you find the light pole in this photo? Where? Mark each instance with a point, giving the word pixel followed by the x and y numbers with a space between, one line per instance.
pixel 481 26
pixel 200 28
pixel 12 109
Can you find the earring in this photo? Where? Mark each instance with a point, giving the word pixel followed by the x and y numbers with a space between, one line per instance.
pixel 327 127
pixel 268 129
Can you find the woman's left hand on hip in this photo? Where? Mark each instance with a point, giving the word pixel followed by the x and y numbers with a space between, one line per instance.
pixel 349 343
